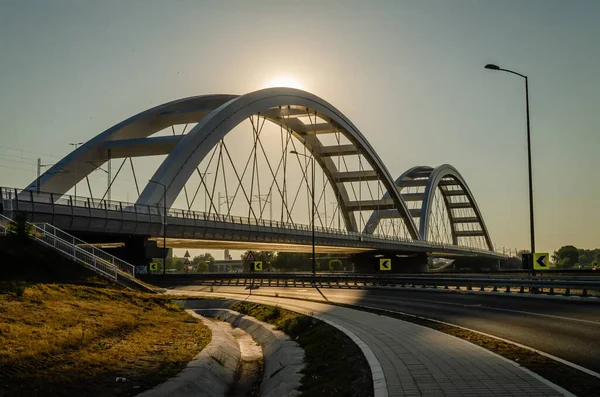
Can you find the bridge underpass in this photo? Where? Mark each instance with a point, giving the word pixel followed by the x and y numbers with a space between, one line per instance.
pixel 258 170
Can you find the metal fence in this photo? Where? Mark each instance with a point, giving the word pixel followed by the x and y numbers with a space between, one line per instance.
pixel 80 250
pixel 27 200
pixel 94 258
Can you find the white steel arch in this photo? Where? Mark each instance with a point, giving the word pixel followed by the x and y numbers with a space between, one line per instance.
pixel 217 115
pixel 128 138
pixel 280 105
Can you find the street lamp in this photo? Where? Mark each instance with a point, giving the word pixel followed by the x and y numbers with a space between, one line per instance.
pixel 314 266
pixel 164 224
pixel 76 144
pixel 531 225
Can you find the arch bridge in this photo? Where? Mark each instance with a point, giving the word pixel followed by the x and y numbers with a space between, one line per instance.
pixel 246 169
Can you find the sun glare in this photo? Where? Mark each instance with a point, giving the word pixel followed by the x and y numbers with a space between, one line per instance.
pixel 284 81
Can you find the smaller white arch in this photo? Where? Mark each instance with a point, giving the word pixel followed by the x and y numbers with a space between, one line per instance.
pixel 434 177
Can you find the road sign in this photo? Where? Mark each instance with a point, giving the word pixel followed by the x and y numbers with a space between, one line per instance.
pixel 187 254
pixel 257 266
pixel 186 261
pixel 385 264
pixel 249 257
pixel 154 267
pixel 540 261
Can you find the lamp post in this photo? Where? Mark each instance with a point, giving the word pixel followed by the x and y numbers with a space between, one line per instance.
pixel 531 224
pixel 76 144
pixel 164 224
pixel 314 263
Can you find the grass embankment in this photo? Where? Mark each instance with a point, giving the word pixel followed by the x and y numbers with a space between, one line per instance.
pixel 64 339
pixel 334 365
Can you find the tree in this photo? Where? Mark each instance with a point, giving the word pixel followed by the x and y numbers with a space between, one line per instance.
pixel 175 264
pixel 596 261
pixel 206 257
pixel 202 263
pixel 201 267
pixel 566 257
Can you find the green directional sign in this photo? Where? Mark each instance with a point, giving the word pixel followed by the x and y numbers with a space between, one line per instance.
pixel 258 266
pixel 541 261
pixel 385 264
pixel 154 267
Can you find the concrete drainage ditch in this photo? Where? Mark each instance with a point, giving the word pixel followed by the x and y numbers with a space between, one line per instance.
pixel 250 369
pixel 245 358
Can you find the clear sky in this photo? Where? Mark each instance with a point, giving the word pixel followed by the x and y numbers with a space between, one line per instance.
pixel 409 74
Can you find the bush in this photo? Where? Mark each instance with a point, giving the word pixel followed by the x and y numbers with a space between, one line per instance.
pixel 270 313
pixel 295 326
pixel 13 288
pixel 20 226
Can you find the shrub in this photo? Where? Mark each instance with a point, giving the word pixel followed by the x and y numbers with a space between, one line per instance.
pixel 20 226
pixel 295 326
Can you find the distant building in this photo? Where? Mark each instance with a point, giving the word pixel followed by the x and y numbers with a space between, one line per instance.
pixel 227 266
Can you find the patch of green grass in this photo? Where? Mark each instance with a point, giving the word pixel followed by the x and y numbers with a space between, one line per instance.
pixel 334 365
pixel 68 339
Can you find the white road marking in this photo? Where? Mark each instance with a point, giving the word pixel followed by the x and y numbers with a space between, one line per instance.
pixel 479 306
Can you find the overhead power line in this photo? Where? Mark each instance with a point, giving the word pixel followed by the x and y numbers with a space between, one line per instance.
pixel 29 151
pixel 17 168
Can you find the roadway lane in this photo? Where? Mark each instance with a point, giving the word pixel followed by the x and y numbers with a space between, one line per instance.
pixel 567 329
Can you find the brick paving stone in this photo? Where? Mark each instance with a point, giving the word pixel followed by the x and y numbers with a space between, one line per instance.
pixel 419 361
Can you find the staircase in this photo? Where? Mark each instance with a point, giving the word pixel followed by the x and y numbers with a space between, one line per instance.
pixel 95 259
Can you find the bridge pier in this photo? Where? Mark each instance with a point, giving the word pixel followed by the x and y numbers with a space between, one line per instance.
pixel 368 262
pixel 138 251
pixel 477 264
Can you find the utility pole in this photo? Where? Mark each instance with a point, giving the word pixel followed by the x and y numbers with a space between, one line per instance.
pixel 109 176
pixel 39 167
pixel 38 182
pixel 76 144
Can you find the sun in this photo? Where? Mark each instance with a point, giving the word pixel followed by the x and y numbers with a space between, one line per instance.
pixel 284 81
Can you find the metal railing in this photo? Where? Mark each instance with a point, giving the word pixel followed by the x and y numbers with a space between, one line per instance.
pixel 10 198
pixel 4 224
pixel 550 285
pixel 94 258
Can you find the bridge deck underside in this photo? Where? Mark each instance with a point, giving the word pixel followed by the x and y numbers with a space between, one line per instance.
pixel 254 246
pixel 196 229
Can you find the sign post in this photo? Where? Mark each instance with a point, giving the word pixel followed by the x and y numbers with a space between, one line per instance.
pixel 541 261
pixel 385 264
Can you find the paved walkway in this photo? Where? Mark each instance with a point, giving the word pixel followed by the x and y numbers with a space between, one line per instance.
pixel 419 361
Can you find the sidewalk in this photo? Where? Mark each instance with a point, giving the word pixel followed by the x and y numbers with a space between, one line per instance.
pixel 419 361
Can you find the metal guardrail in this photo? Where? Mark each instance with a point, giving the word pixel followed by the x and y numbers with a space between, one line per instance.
pixel 78 250
pixel 559 285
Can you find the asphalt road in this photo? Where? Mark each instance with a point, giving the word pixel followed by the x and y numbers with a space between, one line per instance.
pixel 566 329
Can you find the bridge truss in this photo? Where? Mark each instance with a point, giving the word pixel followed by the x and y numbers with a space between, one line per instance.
pixel 263 156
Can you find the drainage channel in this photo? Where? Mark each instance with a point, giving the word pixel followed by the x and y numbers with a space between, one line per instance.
pixel 249 373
